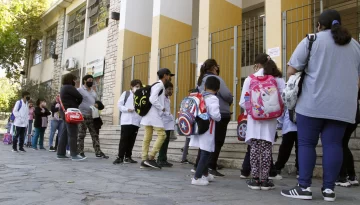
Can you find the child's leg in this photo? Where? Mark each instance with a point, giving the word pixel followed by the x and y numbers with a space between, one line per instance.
pixel 35 137
pixel 285 149
pixel 186 149
pixel 163 150
pixel 246 167
pixel 265 149
pixel 255 158
pixel 41 140
pixel 202 168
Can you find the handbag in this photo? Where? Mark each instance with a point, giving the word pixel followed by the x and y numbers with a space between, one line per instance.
pixel 293 87
pixel 72 115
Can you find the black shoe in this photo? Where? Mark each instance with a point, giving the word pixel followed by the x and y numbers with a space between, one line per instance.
pixel 143 165
pixel 22 150
pixel 328 194
pixel 298 193
pixel 15 150
pixel 220 167
pixel 82 154
pixel 43 148
pixel 164 164
pixel 118 161
pixel 101 155
pixel 152 164
pixel 215 173
pixel 267 185
pixel 52 149
pixel 254 184
pixel 186 162
pixel 343 182
pixel 129 160
pixel 353 181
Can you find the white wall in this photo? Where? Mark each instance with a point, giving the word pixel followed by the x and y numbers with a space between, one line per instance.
pixel 35 72
pixel 237 3
pixel 178 10
pixel 96 46
pixel 75 51
pixel 47 70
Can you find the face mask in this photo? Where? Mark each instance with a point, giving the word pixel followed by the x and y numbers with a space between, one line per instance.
pixel 89 84
pixel 73 83
pixel 44 104
pixel 27 98
pixel 134 89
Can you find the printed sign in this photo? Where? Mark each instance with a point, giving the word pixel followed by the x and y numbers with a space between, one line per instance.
pixel 274 52
pixel 95 67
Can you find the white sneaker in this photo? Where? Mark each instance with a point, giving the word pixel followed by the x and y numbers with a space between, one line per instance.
pixel 244 177
pixel 277 177
pixel 199 182
pixel 209 178
pixel 193 170
pixel 354 181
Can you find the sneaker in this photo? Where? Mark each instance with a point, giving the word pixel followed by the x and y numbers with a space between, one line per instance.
pixel 277 177
pixel 62 157
pixel 78 158
pixel 220 167
pixel 129 160
pixel 328 194
pixel 101 155
pixel 209 177
pixel 164 164
pixel 298 192
pixel 152 164
pixel 193 170
pixel 186 162
pixel 43 148
pixel 82 155
pixel 143 165
pixel 254 184
pixel 354 181
pixel 22 150
pixel 267 185
pixel 52 149
pixel 118 161
pixel 215 173
pixel 14 150
pixel 343 182
pixel 35 148
pixel 244 176
pixel 68 152
pixel 199 182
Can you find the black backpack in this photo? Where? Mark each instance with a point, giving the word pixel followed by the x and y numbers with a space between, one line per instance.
pixel 141 99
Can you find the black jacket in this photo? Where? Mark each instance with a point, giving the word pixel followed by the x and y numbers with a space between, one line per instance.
pixel 54 109
pixel 39 115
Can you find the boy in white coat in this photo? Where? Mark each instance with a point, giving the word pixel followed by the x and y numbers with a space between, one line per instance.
pixel 206 141
pixel 153 120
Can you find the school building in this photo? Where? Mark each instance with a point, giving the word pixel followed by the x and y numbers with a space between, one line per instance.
pixel 121 40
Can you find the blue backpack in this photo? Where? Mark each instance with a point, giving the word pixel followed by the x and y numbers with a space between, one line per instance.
pixel 12 116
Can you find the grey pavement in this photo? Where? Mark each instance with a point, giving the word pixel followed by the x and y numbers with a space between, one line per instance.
pixel 36 178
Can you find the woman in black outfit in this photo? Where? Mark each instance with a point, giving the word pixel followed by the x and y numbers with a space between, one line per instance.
pixel 71 98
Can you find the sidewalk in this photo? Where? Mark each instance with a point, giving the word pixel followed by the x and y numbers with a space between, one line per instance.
pixel 36 177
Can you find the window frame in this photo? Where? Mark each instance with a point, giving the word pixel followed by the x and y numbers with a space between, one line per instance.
pixel 98 15
pixel 50 45
pixel 76 26
pixel 37 54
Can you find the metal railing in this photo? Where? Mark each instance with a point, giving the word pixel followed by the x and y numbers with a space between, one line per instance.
pixel 136 67
pixel 181 59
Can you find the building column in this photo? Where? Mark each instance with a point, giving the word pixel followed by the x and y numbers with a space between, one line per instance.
pixel 172 24
pixel 134 38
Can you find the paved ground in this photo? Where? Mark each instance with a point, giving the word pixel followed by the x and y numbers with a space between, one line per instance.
pixel 36 178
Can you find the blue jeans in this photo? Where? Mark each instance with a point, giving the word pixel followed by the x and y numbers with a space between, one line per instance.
pixel 29 130
pixel 55 125
pixel 332 133
pixel 39 133
pixel 202 166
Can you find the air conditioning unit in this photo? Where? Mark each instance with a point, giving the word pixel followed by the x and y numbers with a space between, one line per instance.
pixel 70 64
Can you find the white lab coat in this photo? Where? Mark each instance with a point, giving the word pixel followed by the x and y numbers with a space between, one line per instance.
pixel 168 118
pixel 260 129
pixel 128 118
pixel 154 116
pixel 206 141
pixel 21 116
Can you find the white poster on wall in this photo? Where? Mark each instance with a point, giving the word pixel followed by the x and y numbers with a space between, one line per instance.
pixel 95 67
pixel 274 52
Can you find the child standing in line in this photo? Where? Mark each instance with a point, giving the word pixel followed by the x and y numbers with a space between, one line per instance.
pixel 40 124
pixel 206 141
pixel 260 134
pixel 169 125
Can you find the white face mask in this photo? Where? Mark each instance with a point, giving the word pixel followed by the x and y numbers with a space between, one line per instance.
pixel 134 89
pixel 44 104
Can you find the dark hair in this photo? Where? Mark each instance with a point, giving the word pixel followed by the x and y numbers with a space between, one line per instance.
pixel 39 101
pixel 68 79
pixel 270 67
pixel 330 19
pixel 25 93
pixel 135 82
pixel 168 84
pixel 206 67
pixel 100 105
pixel 212 83
pixel 86 77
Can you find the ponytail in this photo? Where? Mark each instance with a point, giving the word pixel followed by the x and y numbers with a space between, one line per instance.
pixel 202 75
pixel 340 34
pixel 270 67
pixel 208 65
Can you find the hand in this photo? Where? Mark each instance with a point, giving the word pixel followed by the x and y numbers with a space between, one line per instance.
pixel 57 105
pixel 130 110
pixel 42 110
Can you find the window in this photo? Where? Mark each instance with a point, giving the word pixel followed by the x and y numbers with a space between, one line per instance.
pixel 50 42
pixel 76 26
pixel 37 52
pixel 98 14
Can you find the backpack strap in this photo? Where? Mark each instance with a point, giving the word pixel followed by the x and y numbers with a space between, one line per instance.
pixel 161 91
pixel 20 105
pixel 311 37
pixel 127 94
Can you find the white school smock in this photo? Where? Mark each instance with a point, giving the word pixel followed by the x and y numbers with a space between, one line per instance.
pixel 260 129
pixel 287 125
pixel 168 118
pixel 154 116
pixel 206 141
pixel 128 118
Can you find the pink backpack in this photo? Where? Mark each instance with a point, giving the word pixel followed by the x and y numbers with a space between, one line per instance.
pixel 264 101
pixel 7 138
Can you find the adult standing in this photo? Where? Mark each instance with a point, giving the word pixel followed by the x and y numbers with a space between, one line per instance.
pixel 21 114
pixel 70 98
pixel 56 123
pixel 89 99
pixel 327 103
pixel 211 68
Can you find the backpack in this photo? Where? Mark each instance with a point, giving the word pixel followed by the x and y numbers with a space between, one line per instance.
pixel 127 94
pixel 7 138
pixel 264 101
pixel 193 118
pixel 12 116
pixel 142 99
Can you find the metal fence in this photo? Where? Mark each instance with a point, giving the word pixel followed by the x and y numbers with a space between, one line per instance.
pixel 235 49
pixel 136 67
pixel 181 59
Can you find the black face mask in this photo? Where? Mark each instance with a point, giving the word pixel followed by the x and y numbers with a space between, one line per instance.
pixel 73 83
pixel 27 98
pixel 89 84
